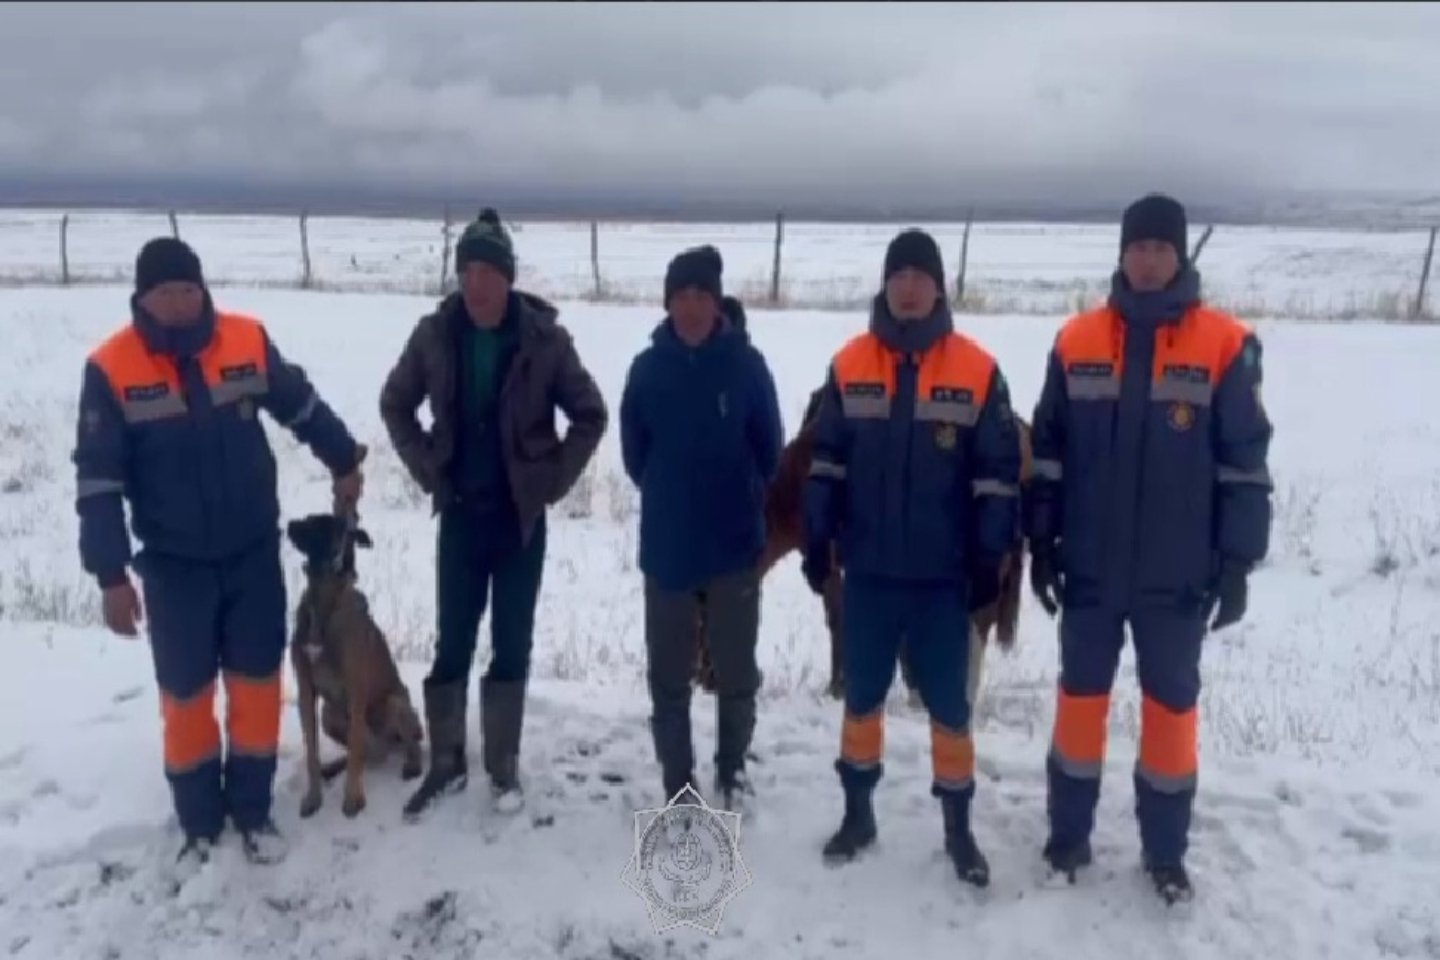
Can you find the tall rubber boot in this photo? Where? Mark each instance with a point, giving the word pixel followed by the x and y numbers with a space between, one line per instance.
pixel 445 728
pixel 970 864
pixel 857 829
pixel 502 717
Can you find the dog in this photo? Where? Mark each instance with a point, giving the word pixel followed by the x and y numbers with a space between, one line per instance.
pixel 784 521
pixel 341 658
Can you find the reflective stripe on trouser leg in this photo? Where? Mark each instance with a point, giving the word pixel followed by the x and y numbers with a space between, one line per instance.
pixel 938 634
pixel 192 760
pixel 1167 660
pixel 182 603
pixel 252 648
pixel 1090 643
pixel 873 625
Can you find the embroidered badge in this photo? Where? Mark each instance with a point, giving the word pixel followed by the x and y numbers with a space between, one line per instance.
pixel 1181 416
pixel 945 436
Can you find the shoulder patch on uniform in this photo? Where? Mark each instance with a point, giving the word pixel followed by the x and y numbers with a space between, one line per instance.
pixel 146 391
pixel 1189 373
pixel 1091 369
pixel 239 371
pixel 952 395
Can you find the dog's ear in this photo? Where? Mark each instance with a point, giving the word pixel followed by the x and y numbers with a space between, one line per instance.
pixel 295 531
pixel 362 539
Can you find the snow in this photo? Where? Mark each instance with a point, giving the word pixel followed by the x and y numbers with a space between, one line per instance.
pixel 1317 828
pixel 1012 267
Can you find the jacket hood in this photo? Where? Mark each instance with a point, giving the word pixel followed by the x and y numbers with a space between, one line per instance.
pixel 1156 308
pixel 533 313
pixel 910 336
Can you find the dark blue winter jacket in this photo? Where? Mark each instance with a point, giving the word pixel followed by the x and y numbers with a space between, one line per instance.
pixel 700 435
pixel 1150 444
pixel 916 460
pixel 169 420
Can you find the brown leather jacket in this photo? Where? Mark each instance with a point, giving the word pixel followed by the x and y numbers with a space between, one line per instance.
pixel 546 372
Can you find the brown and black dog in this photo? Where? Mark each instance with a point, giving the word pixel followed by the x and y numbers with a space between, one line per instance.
pixel 784 522
pixel 340 658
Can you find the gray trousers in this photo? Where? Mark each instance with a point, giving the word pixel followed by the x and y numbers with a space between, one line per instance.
pixel 731 605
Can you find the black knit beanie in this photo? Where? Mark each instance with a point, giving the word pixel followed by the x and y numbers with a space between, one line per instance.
pixel 698 267
pixel 166 260
pixel 915 248
pixel 486 241
pixel 1156 217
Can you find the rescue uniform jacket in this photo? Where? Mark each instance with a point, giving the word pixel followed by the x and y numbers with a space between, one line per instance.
pixel 916 461
pixel 1150 443
pixel 168 421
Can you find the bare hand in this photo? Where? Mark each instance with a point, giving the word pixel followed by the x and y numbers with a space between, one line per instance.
pixel 121 607
pixel 347 489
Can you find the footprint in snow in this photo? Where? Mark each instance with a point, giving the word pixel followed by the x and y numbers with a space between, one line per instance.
pixel 13 759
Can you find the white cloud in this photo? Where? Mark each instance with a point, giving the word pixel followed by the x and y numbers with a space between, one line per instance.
pixel 887 101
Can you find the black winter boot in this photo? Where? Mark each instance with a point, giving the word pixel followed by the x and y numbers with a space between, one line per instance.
pixel 735 728
pixel 445 728
pixel 1067 858
pixel 857 829
pixel 1171 882
pixel 502 716
pixel 970 864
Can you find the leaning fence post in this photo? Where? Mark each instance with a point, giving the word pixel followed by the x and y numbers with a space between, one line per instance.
pixel 775 269
pixel 1200 244
pixel 174 226
pixel 305 250
pixel 1425 276
pixel 64 250
pixel 964 258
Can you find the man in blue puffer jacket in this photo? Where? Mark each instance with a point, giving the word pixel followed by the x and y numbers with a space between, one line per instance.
pixel 700 434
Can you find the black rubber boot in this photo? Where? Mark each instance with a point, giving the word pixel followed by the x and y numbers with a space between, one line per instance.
pixel 445 728
pixel 734 731
pixel 1067 859
pixel 502 717
pixel 970 864
pixel 857 829
pixel 1172 883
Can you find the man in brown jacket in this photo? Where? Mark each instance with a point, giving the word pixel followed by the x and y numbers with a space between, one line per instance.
pixel 494 363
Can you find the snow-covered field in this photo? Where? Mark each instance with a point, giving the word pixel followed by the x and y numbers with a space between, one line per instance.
pixel 1027 268
pixel 1317 831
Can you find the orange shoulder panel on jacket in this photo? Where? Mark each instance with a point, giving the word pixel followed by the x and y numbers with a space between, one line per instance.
pixel 127 362
pixel 865 360
pixel 238 348
pixel 1226 332
pixel 957 363
pixel 1089 337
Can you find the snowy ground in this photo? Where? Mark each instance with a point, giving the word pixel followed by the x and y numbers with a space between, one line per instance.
pixel 1317 829
pixel 1028 268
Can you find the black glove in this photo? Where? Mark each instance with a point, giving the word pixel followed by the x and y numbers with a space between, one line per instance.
pixel 816 567
pixel 1229 592
pixel 1045 580
pixel 984 585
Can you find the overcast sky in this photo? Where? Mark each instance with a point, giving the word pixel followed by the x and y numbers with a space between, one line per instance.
pixel 878 100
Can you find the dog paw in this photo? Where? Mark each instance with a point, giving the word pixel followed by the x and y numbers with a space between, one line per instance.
pixel 310 804
pixel 354 803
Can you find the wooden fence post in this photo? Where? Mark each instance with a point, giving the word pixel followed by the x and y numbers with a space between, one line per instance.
pixel 964 258
pixel 1419 310
pixel 174 226
pixel 306 279
pixel 445 251
pixel 595 255
pixel 775 269
pixel 64 250
pixel 1200 245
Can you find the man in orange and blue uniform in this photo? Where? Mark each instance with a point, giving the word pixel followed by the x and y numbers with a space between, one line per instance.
pixel 1150 505
pixel 914 479
pixel 169 420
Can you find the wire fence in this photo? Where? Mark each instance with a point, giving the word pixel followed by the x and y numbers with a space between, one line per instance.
pixel 1020 268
